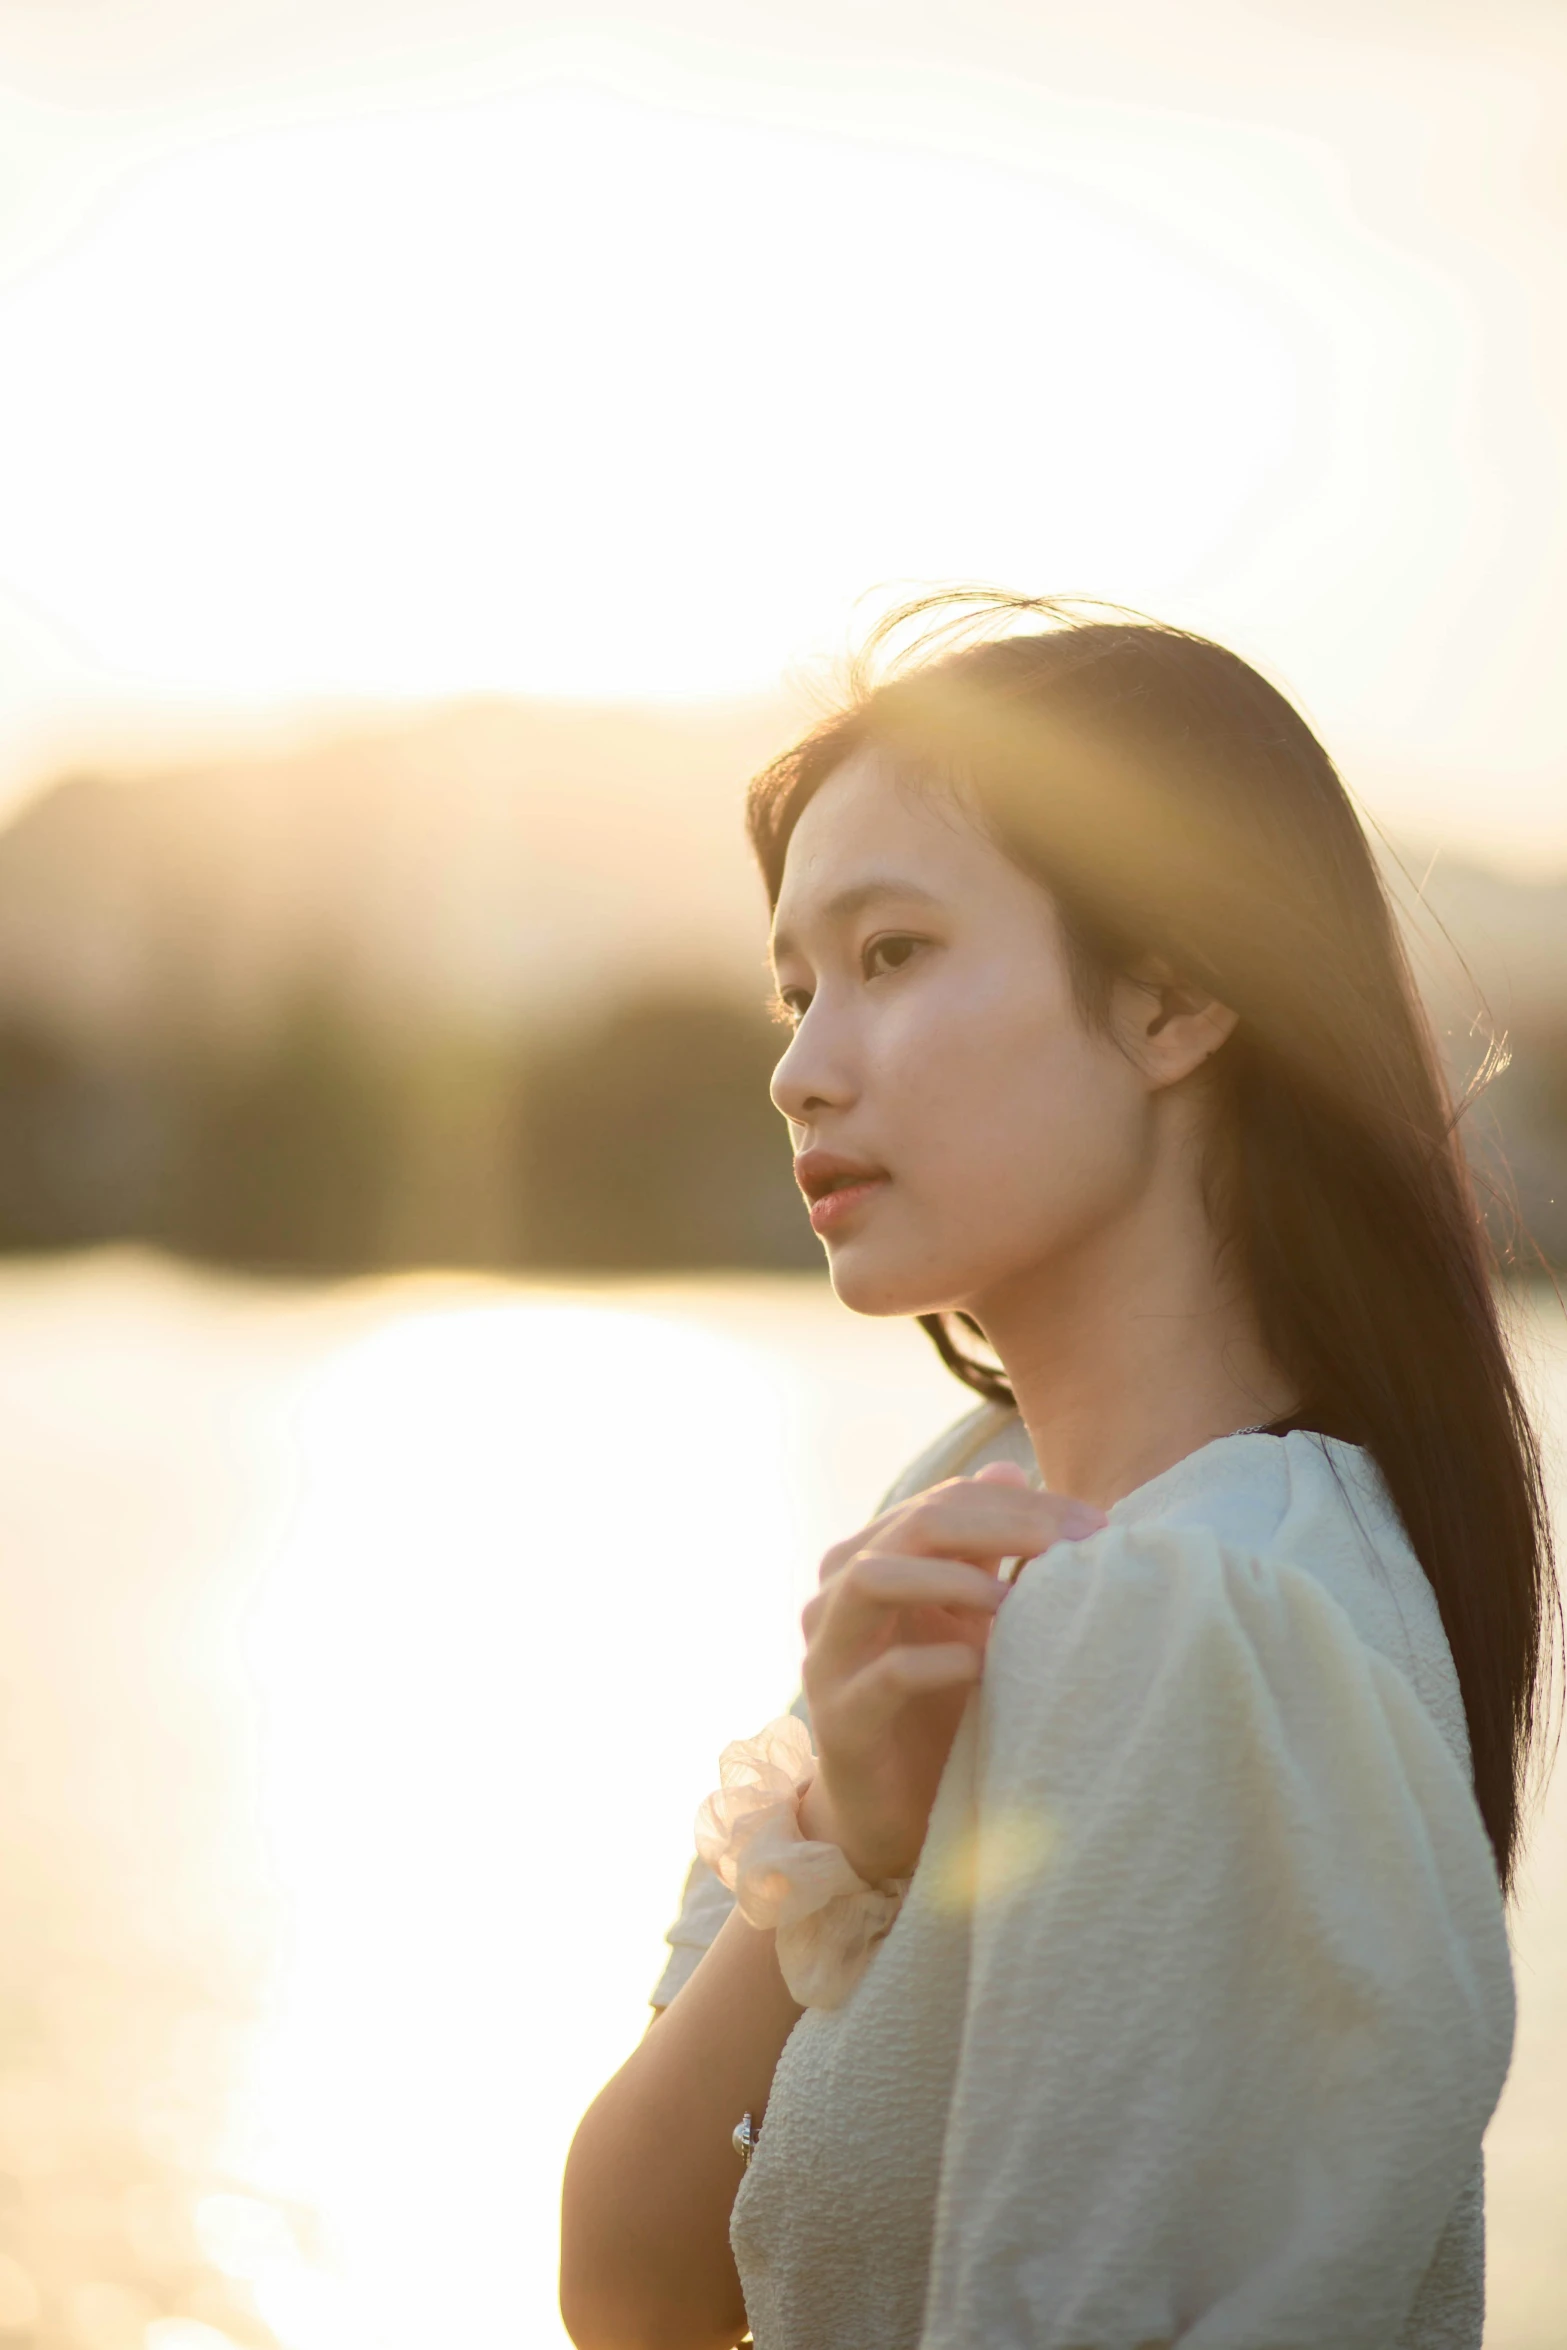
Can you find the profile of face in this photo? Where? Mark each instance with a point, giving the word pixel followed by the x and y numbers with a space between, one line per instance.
pixel 958 1126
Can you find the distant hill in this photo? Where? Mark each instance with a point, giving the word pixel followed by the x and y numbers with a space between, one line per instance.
pixel 1511 934
pixel 491 862
pixel 478 865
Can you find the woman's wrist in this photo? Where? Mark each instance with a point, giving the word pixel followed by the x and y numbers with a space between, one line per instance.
pixel 818 1820
pixel 770 1834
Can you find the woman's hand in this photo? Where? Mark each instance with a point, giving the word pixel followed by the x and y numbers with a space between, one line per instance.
pixel 895 1639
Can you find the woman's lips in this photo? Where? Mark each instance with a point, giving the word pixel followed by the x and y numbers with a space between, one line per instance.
pixel 836 1207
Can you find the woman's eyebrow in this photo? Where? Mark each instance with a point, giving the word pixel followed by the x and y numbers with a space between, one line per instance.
pixel 846 903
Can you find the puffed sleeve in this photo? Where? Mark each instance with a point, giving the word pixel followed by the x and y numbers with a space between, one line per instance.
pixel 1240 2002
pixel 705 1902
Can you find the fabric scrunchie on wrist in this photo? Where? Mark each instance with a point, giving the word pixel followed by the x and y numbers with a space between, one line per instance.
pixel 826 1918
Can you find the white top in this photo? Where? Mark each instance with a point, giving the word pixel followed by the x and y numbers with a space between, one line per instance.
pixel 1200 1999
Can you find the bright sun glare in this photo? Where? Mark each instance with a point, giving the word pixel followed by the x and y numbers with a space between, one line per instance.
pixel 622 384
pixel 476 1754
pixel 514 393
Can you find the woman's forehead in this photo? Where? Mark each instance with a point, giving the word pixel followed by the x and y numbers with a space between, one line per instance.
pixel 875 832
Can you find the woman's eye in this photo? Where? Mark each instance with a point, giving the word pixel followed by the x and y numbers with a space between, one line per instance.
pixel 790 1005
pixel 889 953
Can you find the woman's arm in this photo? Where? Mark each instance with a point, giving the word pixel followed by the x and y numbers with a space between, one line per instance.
pixel 895 1640
pixel 652 2173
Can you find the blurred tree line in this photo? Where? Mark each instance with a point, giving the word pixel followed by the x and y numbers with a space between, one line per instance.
pixel 637 1135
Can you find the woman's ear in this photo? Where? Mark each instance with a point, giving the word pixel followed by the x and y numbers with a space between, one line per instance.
pixel 1170 1026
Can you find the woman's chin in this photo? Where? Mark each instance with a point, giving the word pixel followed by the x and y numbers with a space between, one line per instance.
pixel 867 1286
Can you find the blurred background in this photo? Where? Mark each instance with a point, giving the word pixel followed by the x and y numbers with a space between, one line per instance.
pixel 444 448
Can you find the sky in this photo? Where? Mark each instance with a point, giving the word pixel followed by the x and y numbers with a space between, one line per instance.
pixel 356 354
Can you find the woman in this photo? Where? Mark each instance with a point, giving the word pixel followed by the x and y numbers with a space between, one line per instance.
pixel 1128 1966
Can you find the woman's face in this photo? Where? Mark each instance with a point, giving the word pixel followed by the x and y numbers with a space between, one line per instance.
pixel 939 1057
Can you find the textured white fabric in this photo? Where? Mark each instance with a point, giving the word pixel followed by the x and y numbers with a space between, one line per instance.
pixel 1200 1999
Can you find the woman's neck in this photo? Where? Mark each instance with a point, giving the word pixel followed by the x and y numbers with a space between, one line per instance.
pixel 1132 1353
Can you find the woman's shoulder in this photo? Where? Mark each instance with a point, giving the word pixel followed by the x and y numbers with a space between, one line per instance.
pixel 991 1432
pixel 1223 1539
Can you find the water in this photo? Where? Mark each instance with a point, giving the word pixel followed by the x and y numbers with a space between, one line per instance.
pixel 365 1651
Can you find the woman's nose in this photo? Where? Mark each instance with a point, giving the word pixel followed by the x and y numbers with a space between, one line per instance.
pixel 811 1077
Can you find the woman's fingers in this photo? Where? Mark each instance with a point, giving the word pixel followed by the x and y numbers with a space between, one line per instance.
pixel 983 1518
pixel 895 1637
pixel 986 1517
pixel 904 1613
pixel 943 1550
pixel 854 1603
pixel 873 1698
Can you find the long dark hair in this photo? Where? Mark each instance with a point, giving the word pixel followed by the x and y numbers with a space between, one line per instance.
pixel 1175 804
